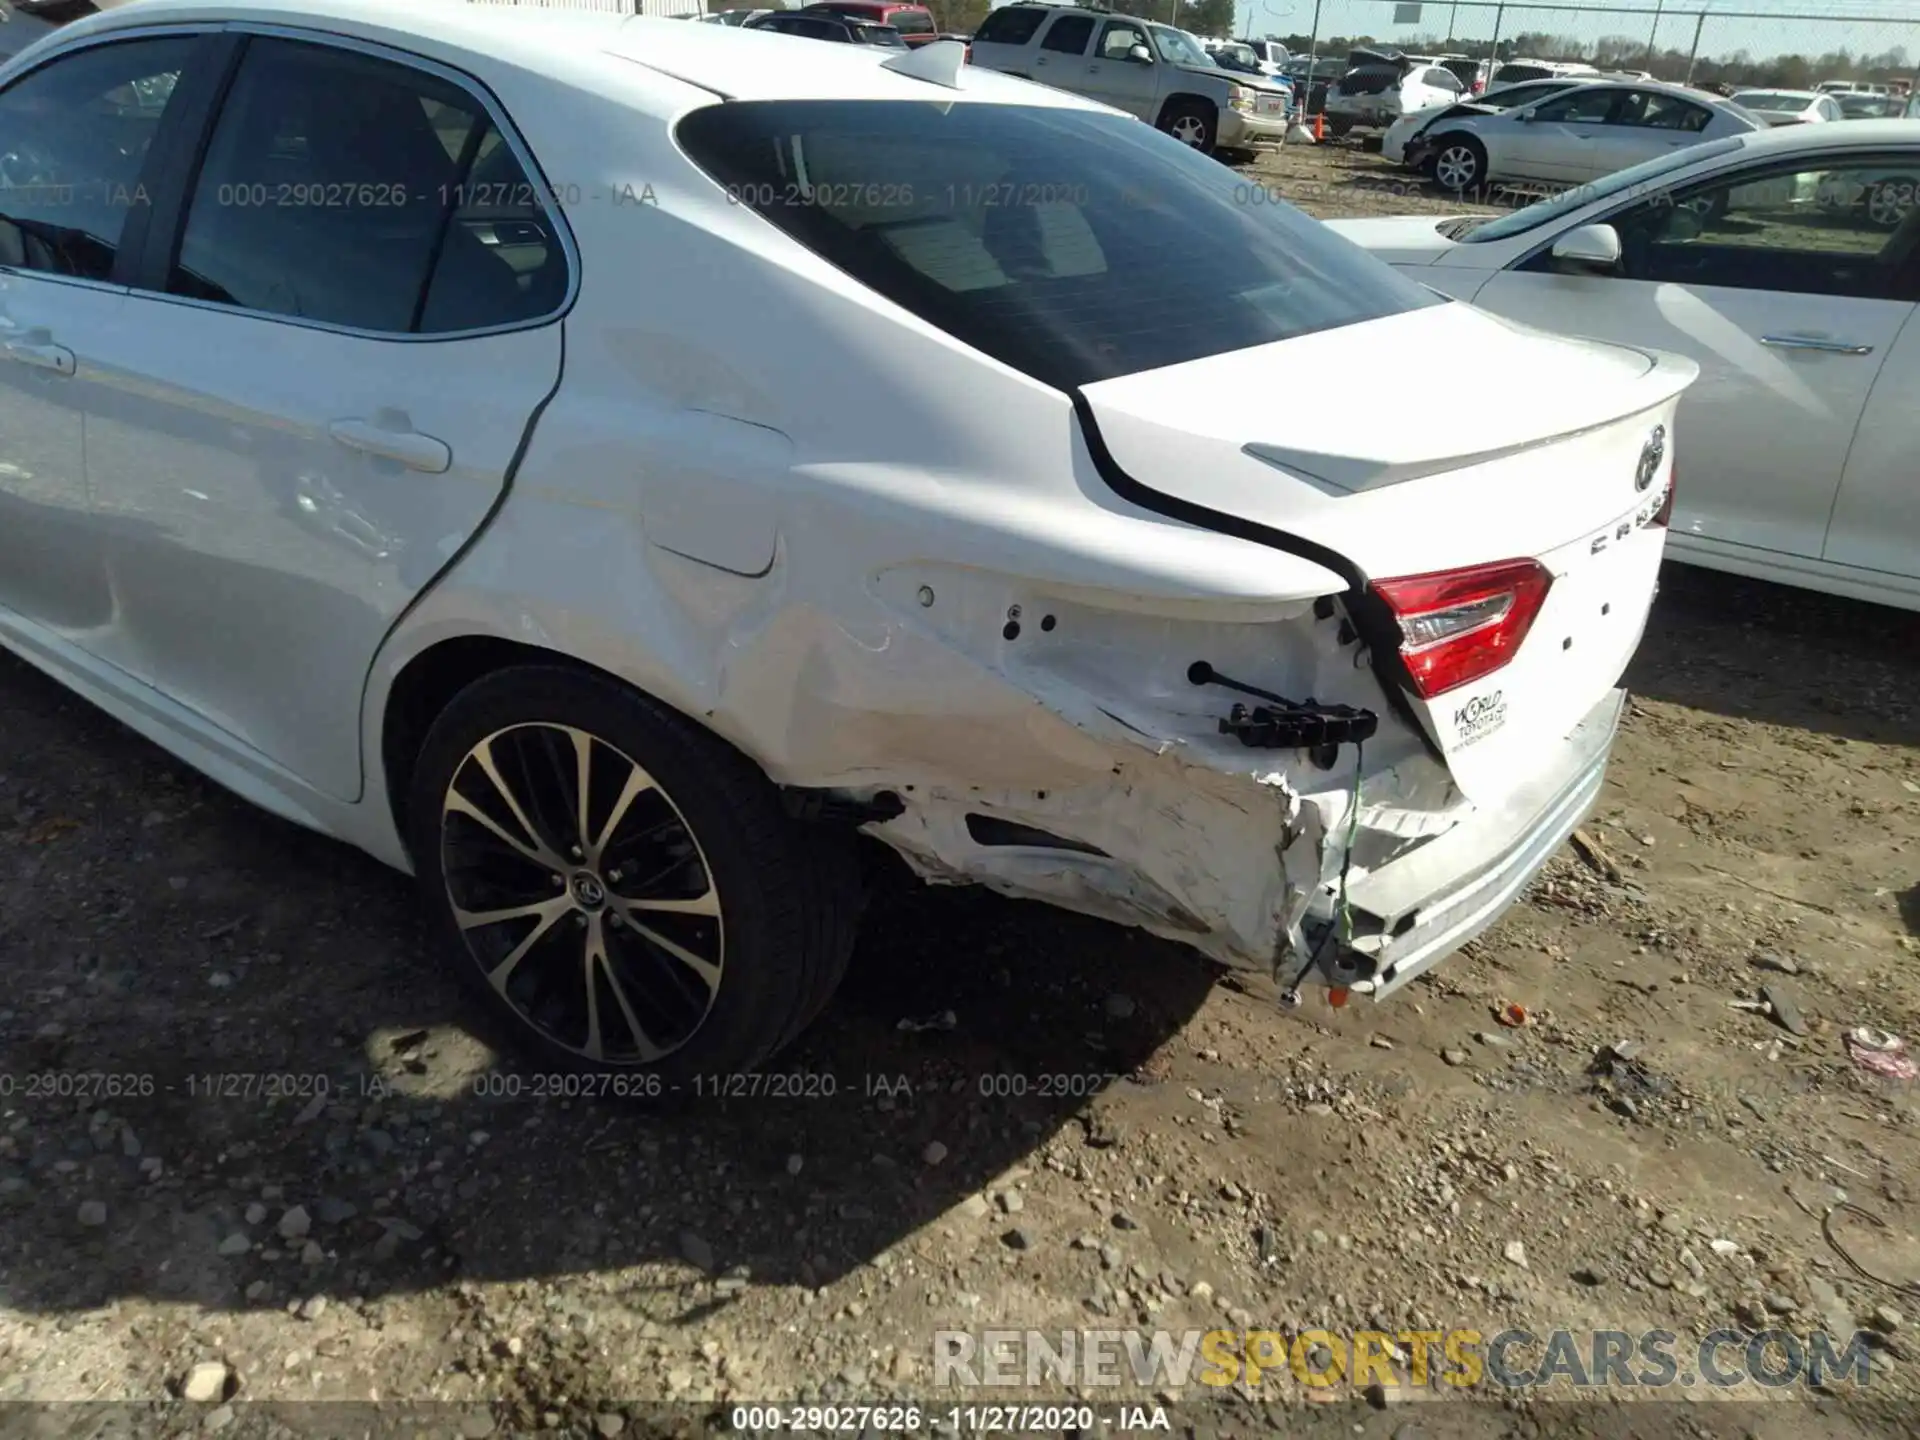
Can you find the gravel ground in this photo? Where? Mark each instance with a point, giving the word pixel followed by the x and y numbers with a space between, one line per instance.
pixel 246 1125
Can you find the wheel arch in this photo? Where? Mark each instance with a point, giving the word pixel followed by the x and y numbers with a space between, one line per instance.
pixel 1180 99
pixel 423 687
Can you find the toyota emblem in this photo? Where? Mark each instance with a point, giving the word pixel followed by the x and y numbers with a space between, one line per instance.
pixel 1651 454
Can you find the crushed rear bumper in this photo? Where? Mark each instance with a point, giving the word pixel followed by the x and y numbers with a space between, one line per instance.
pixel 1414 913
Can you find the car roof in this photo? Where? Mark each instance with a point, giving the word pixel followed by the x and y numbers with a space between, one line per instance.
pixel 1854 135
pixel 728 61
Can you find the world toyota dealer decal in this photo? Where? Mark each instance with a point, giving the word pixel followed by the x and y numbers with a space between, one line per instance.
pixel 1480 717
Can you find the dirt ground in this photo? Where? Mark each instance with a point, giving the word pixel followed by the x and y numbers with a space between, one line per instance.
pixel 246 1123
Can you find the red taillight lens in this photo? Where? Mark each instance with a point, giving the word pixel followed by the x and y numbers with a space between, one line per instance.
pixel 1457 626
pixel 969 59
pixel 1664 515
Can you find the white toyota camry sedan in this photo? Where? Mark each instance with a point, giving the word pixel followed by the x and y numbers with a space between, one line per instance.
pixel 614 469
pixel 1787 265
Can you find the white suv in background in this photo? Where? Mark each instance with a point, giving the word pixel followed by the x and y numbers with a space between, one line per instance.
pixel 1383 85
pixel 1150 70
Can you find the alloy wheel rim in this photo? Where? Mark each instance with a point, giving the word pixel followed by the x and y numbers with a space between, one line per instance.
pixel 581 893
pixel 1454 169
pixel 1189 131
pixel 1886 206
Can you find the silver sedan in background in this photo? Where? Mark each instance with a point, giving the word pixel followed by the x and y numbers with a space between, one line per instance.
pixel 1581 134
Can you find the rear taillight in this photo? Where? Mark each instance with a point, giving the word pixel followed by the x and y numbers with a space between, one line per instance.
pixel 1457 626
pixel 969 59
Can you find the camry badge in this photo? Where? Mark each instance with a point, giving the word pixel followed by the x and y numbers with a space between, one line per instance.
pixel 1651 454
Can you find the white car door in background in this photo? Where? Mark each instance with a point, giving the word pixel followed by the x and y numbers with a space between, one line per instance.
pixel 1115 79
pixel 318 397
pixel 1061 58
pixel 74 136
pixel 1789 311
pixel 1876 517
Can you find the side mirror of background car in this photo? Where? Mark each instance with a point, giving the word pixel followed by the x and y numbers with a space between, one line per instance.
pixel 1597 245
pixel 1140 55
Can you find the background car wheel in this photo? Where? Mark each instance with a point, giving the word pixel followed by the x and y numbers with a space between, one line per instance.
pixel 623 891
pixel 1459 164
pixel 1191 122
pixel 1889 202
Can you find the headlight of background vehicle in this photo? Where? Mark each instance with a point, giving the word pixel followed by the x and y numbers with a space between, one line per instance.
pixel 1239 97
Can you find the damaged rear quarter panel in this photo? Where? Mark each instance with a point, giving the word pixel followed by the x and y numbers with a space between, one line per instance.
pixel 971 482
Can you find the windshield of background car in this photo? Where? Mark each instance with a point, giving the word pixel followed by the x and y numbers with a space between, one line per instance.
pixel 1178 48
pixel 1070 245
pixel 1646 178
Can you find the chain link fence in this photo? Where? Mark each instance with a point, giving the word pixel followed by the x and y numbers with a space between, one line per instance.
pixel 1738 44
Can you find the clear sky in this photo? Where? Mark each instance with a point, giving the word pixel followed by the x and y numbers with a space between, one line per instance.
pixel 1807 27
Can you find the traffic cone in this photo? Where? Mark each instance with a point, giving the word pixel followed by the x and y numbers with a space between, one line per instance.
pixel 1319 128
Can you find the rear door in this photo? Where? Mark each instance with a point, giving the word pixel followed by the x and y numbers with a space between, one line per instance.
pixel 1789 311
pixel 1644 125
pixel 345 320
pixel 1061 59
pixel 1876 516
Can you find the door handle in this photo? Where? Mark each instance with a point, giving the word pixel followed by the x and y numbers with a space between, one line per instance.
pixel 41 353
pixel 409 447
pixel 1804 342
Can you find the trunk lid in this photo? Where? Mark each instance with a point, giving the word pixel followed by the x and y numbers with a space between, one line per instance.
pixel 1284 435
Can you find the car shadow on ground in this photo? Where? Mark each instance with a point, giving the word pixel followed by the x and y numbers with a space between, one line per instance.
pixel 214 1017
pixel 1804 660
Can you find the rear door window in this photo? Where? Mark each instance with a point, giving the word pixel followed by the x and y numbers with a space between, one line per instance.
pixel 1071 245
pixel 1009 25
pixel 1657 110
pixel 1069 35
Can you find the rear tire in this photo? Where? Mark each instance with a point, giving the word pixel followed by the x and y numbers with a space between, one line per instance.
pixel 678 923
pixel 1193 123
pixel 1459 164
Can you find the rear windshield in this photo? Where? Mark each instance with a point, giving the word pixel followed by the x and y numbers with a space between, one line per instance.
pixel 1509 73
pixel 1070 245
